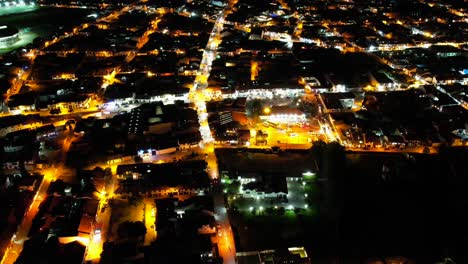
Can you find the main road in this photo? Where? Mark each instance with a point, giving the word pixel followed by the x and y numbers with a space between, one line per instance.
pixel 16 243
pixel 226 246
pixel 97 237
pixel 52 173
pixel 102 220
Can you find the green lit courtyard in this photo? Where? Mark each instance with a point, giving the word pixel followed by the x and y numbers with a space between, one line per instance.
pixel 269 220
pixel 296 200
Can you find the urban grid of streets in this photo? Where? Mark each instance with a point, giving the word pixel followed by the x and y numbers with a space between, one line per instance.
pixel 198 95
pixel 57 170
pixel 225 241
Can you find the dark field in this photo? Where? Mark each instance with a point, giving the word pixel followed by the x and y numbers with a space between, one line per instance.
pixel 43 22
pixel 416 209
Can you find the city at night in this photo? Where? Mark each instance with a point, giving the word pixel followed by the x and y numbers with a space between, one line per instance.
pixel 234 131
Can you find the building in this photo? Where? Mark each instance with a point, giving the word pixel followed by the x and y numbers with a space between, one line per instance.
pixel 284 114
pixel 22 102
pixel 45 132
pixel 292 255
pixel 263 186
pixel 19 140
pixel 87 220
pixel 14 123
pixel 162 180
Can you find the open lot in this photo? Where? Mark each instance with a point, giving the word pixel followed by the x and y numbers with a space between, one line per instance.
pixel 292 164
pixel 135 209
pixel 267 231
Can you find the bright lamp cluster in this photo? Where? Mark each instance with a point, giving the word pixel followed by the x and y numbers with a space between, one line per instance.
pixel 19 3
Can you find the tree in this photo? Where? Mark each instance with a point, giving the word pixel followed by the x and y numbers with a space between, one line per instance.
pixel 135 199
pixel 334 164
pixel 269 211
pixel 254 109
pixel 317 152
pixel 138 159
pixel 234 186
pixel 297 210
pixel 281 210
pixel 108 172
pixel 4 85
pixel 129 229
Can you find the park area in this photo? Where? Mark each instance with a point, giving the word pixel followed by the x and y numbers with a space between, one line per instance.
pixel 385 200
pixel 271 222
pixel 135 209
pixel 297 198
pixel 269 230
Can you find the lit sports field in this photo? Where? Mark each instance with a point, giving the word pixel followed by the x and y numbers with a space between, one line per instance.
pixel 8 10
pixel 39 21
pixel 25 39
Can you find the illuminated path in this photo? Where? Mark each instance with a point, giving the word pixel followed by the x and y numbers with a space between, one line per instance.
pixel 225 242
pixel 96 241
pixel 16 244
pixel 50 174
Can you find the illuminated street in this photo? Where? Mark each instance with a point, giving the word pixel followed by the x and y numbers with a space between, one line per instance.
pixel 150 220
pixel 16 243
pixel 226 244
pixel 97 238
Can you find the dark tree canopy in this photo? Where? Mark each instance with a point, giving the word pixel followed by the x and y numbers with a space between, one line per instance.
pixel 317 151
pixel 334 163
pixel 254 109
pixel 129 229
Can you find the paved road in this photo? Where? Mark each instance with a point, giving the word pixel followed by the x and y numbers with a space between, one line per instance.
pixel 96 240
pixel 16 244
pixel 50 174
pixel 226 246
pixel 149 220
